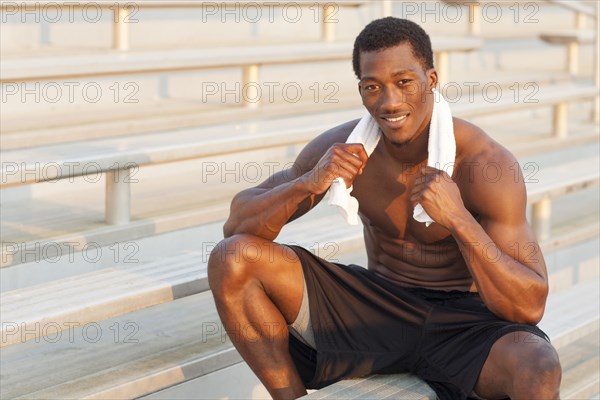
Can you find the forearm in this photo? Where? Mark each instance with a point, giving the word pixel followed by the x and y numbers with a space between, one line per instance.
pixel 509 288
pixel 263 212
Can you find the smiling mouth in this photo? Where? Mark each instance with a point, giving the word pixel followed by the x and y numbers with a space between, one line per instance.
pixel 397 119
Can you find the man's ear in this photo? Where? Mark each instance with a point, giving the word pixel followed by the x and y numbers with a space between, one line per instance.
pixel 358 87
pixel 432 78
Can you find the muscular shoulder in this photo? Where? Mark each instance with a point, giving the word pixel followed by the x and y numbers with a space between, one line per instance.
pixel 487 173
pixel 473 144
pixel 316 148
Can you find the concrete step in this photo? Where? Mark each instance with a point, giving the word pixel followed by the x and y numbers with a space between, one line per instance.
pixel 181 340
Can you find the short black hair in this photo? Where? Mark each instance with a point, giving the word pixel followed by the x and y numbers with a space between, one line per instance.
pixel 388 32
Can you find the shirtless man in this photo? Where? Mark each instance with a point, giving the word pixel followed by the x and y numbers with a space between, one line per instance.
pixel 438 301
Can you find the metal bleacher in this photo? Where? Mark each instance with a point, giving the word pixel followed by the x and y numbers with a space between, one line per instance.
pixel 109 210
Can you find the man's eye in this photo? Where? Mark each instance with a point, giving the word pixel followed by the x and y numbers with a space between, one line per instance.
pixel 404 81
pixel 371 87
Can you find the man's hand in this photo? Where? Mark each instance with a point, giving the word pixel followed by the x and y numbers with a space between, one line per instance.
pixel 439 196
pixel 345 160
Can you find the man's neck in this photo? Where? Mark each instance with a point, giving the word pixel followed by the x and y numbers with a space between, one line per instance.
pixel 411 153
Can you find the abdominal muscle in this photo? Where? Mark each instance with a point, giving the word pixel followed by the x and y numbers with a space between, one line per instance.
pixel 407 262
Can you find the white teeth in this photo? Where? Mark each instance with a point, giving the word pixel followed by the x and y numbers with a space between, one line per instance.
pixel 396 119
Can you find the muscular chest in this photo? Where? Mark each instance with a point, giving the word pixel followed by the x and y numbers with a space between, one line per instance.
pixel 383 193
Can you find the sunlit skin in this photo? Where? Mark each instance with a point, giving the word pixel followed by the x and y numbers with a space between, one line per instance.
pixel 394 84
pixel 480 240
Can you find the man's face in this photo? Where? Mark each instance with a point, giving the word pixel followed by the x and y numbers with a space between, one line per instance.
pixel 396 91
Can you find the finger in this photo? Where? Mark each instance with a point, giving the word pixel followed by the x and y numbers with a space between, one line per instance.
pixel 415 190
pixel 359 151
pixel 416 196
pixel 348 179
pixel 414 203
pixel 420 180
pixel 349 165
pixel 359 154
pixel 422 185
pixel 342 169
pixel 352 159
pixel 340 173
pixel 347 176
pixel 342 158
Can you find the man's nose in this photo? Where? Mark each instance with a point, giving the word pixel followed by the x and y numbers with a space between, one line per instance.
pixel 392 99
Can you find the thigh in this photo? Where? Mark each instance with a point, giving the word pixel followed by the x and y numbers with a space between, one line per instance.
pixel 246 262
pixel 280 274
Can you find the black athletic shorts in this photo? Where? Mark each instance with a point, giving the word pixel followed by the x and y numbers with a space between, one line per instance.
pixel 364 324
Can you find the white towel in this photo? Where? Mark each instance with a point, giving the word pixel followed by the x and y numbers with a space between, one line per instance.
pixel 368 134
pixel 441 148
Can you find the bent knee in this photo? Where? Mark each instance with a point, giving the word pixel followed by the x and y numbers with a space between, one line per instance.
pixel 539 373
pixel 231 259
pixel 548 362
pixel 540 359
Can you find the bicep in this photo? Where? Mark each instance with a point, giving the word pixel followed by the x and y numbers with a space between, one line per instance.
pixel 502 207
pixel 515 240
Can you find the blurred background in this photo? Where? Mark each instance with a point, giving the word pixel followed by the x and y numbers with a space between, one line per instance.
pixel 127 127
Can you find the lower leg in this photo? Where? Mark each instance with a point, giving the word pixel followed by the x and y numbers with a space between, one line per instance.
pixel 256 300
pixel 259 332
